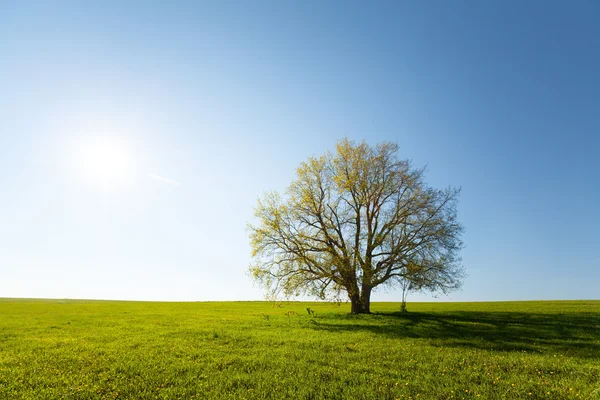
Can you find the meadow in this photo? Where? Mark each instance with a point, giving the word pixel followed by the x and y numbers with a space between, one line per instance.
pixel 69 349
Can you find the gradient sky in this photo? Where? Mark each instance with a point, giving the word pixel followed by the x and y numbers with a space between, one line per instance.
pixel 214 103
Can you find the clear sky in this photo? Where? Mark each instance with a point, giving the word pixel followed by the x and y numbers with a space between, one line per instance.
pixel 135 137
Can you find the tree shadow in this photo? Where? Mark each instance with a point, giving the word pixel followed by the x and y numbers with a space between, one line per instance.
pixel 570 334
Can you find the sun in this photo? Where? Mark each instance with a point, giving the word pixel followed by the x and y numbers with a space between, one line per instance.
pixel 105 162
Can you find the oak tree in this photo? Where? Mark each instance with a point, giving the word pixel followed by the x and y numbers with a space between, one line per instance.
pixel 353 220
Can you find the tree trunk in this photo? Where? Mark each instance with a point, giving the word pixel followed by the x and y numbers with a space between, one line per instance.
pixel 361 303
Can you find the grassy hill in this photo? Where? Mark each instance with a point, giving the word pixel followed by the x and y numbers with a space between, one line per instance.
pixel 54 349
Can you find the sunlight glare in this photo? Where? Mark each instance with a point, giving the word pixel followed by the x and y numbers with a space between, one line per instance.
pixel 105 162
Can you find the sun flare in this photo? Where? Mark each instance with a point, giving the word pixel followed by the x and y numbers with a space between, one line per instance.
pixel 105 162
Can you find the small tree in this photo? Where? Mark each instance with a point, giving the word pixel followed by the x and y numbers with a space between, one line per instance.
pixel 407 286
pixel 412 281
pixel 354 220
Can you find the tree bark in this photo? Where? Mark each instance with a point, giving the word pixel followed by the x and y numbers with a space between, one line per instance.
pixel 361 303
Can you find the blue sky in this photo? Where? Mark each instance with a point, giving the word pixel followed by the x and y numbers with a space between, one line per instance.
pixel 211 104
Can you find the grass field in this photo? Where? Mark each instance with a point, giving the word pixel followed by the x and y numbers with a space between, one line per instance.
pixel 53 349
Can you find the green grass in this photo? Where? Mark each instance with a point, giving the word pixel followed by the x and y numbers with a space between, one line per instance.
pixel 52 349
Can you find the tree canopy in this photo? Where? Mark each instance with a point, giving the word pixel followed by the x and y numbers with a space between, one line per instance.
pixel 353 220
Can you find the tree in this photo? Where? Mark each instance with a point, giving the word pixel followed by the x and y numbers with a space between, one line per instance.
pixel 412 281
pixel 407 286
pixel 354 220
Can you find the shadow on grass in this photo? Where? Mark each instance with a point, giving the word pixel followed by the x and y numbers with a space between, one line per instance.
pixel 575 335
